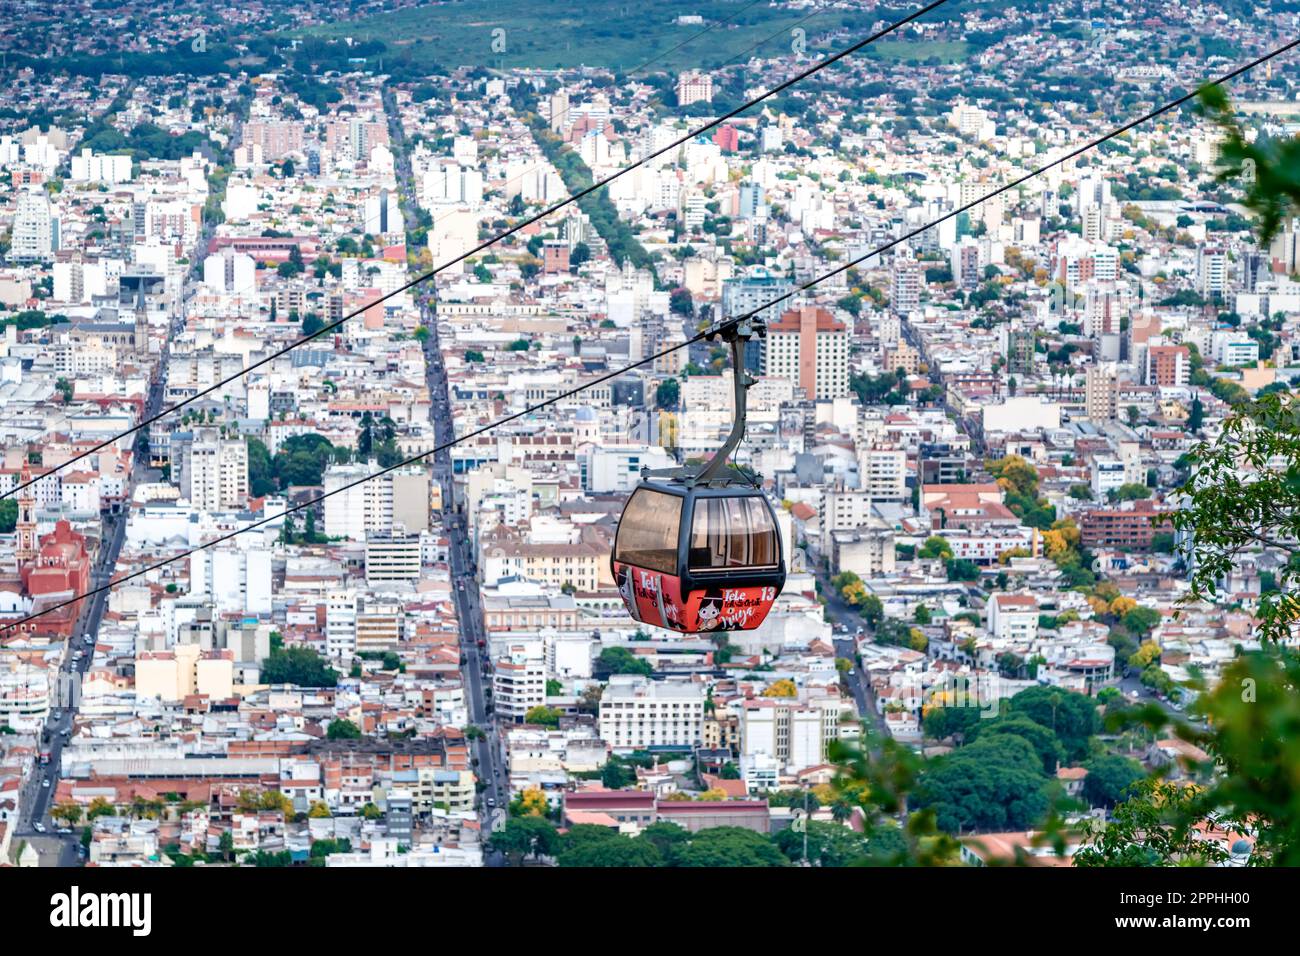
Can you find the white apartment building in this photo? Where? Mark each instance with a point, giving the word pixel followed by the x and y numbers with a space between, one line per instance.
pixel 228 271
pixel 216 471
pixel 1108 474
pixel 1013 617
pixel 883 472
pixel 794 733
pixel 636 712
pixel 33 229
pixel 340 623
pixel 694 87
pixel 518 685
pixel 365 508
pixel 89 168
pixel 905 286
pixel 1212 270
pixel 617 468
pixel 809 347
pixel 843 509
pixel 392 558
pixel 232 579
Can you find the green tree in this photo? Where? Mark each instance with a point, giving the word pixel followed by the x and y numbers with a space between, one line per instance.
pixel 1156 826
pixel 1072 717
pixel 614 850
pixel 543 716
pixel 1044 741
pixel 298 665
pixel 616 775
pixel 261 473
pixel 935 546
pixel 525 836
pixel 996 783
pixel 302 459
pixel 872 609
pixel 680 301
pixel 343 729
pixel 962 569
pixel 830 844
pixel 1110 778
pixel 668 394
pixel 726 847
pixel 1141 620
pixel 1242 494
pixel 1132 492
pixel 619 660
pixel 941 723
pixel 8 515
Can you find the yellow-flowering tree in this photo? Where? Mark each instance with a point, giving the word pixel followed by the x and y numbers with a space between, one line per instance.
pixel 781 688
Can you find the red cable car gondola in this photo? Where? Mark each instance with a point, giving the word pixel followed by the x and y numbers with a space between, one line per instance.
pixel 697 549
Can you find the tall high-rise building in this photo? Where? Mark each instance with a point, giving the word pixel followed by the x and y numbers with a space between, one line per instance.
pixel 743 295
pixel 1168 365
pixel 216 471
pixel 905 287
pixel 363 508
pixel 452 183
pixel 1075 261
pixel 1212 270
pixel 277 139
pixel 230 271
pixel 1100 393
pixel 34 228
pixel 559 103
pixel 694 87
pixel 965 261
pixel 751 201
pixel 810 347
pixel 1105 304
pixel 383 214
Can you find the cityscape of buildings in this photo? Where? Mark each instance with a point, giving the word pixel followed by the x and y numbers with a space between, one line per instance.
pixel 970 439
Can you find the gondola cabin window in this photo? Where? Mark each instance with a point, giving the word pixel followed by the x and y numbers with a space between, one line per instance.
pixel 732 533
pixel 647 533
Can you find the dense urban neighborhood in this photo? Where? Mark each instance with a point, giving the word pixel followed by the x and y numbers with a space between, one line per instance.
pixel 321 397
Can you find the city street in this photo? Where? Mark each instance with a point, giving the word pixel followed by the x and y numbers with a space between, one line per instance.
pixel 61 849
pixel 486 757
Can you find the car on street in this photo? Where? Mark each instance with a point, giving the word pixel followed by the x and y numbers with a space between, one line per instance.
pixel 38 827
pixel 46 783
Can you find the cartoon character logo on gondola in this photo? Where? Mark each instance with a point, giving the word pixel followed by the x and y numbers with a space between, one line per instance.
pixel 710 612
